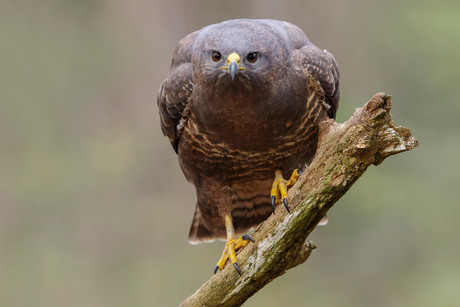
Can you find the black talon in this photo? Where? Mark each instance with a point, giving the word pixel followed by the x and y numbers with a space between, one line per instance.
pixel 299 172
pixel 286 205
pixel 273 203
pixel 215 269
pixel 246 237
pixel 237 267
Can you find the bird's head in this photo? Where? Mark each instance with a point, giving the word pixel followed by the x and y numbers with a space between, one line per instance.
pixel 239 55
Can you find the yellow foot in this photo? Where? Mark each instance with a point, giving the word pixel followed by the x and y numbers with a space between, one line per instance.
pixel 280 187
pixel 231 246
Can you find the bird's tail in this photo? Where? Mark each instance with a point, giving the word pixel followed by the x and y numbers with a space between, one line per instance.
pixel 199 233
pixel 251 206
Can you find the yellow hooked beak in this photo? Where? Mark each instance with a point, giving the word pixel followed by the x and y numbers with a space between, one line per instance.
pixel 233 64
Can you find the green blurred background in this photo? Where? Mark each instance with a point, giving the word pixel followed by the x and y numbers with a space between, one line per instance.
pixel 94 210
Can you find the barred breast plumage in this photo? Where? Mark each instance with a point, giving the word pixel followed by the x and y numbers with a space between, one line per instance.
pixel 234 121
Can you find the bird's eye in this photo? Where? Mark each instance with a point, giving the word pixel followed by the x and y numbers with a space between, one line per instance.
pixel 216 56
pixel 252 57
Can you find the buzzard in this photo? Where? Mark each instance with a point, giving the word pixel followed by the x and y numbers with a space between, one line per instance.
pixel 241 107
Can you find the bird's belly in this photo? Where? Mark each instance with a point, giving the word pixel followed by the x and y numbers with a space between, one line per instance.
pixel 242 157
pixel 241 151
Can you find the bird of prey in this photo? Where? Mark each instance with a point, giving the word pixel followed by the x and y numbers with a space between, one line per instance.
pixel 241 107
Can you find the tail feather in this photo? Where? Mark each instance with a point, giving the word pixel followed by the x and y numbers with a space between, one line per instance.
pixel 249 213
pixel 323 221
pixel 199 233
pixel 251 206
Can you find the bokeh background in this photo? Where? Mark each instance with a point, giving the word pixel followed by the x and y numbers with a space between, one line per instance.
pixel 94 210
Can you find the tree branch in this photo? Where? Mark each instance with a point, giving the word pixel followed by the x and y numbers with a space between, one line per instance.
pixel 344 153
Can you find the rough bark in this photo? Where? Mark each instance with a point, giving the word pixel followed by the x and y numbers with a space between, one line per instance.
pixel 344 153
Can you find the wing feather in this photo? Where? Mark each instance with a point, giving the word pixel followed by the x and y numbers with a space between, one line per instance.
pixel 320 66
pixel 175 91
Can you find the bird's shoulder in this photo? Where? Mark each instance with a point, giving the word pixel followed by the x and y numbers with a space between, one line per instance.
pixel 318 66
pixel 183 51
pixel 176 91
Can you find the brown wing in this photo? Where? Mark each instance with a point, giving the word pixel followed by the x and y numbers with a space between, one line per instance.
pixel 321 68
pixel 176 90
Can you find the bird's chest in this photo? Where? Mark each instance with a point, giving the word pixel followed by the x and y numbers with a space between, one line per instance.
pixel 246 126
pixel 246 137
pixel 242 145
